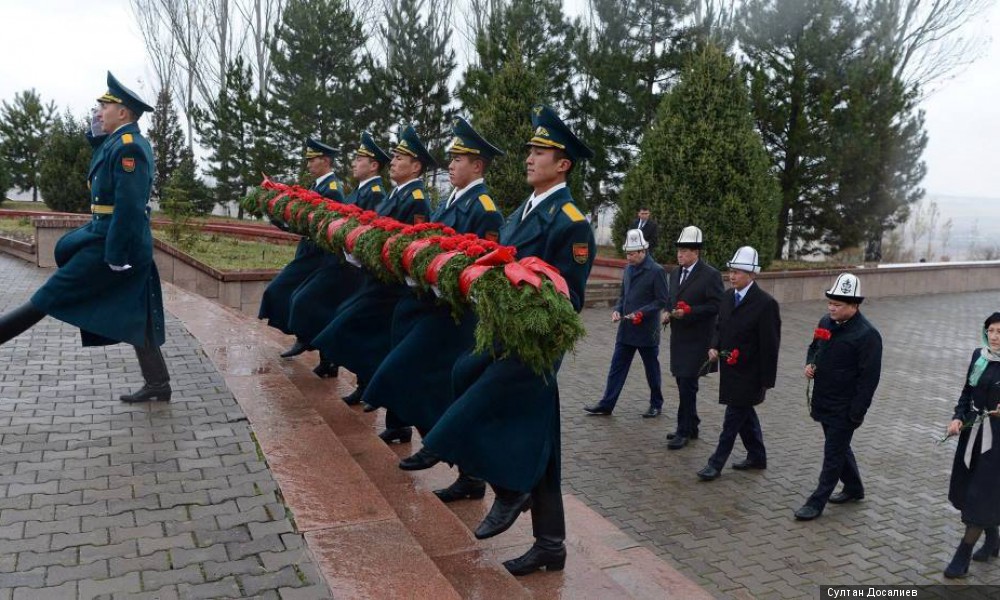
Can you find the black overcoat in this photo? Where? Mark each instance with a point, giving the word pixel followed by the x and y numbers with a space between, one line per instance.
pixel 848 368
pixel 691 335
pixel 753 328
pixel 644 289
pixel 975 490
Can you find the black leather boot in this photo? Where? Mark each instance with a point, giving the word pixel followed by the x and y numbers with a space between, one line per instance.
pixel 959 565
pixel 507 507
pixel 423 459
pixel 990 548
pixel 354 398
pixel 297 348
pixel 466 487
pixel 19 320
pixel 154 372
pixel 326 369
pixel 537 558
pixel 397 435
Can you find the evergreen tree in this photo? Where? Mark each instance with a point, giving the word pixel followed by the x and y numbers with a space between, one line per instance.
pixel 185 180
pixel 5 180
pixel 702 163
pixel 23 128
pixel 64 162
pixel 318 76
pixel 413 81
pixel 167 139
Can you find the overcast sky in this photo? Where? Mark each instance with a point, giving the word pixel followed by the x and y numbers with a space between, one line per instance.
pixel 63 48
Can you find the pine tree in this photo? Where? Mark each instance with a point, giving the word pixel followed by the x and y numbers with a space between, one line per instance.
pixel 702 163
pixel 23 128
pixel 167 139
pixel 64 161
pixel 318 76
pixel 413 80
pixel 5 179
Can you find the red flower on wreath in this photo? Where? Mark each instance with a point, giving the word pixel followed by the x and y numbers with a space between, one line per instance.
pixel 683 306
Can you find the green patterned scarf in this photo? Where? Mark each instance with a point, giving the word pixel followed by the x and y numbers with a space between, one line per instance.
pixel 986 356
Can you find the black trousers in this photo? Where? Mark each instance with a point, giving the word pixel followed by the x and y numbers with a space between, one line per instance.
pixel 548 518
pixel 742 421
pixel 621 361
pixel 687 408
pixel 838 465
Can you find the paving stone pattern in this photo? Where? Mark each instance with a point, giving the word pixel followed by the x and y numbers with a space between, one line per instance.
pixel 100 499
pixel 736 536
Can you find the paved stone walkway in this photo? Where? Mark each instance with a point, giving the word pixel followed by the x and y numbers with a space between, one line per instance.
pixel 736 536
pixel 99 499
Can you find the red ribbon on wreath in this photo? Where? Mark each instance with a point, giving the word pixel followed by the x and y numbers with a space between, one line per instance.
pixel 469 275
pixel 500 256
pixel 518 273
pixel 352 237
pixel 386 260
pixel 275 200
pixel 334 226
pixel 540 266
pixel 413 249
pixel 434 269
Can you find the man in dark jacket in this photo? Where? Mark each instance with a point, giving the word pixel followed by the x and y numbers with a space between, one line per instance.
pixel 643 296
pixel 845 363
pixel 650 230
pixel 695 292
pixel 746 345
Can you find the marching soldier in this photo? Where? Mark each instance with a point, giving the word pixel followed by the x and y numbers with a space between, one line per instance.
pixel 359 336
pixel 314 303
pixel 426 339
pixel 275 305
pixel 107 283
pixel 504 425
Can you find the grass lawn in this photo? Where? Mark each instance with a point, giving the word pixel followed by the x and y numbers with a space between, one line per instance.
pixel 25 205
pixel 18 228
pixel 231 254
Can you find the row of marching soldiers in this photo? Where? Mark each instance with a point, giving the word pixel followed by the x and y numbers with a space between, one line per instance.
pixel 494 418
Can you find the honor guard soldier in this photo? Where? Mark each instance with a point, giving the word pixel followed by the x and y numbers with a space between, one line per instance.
pixel 275 305
pixel 746 340
pixel 845 370
pixel 504 425
pixel 107 283
pixel 359 336
pixel 426 339
pixel 315 302
pixel 695 292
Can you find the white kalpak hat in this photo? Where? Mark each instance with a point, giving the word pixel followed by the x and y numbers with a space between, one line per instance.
pixel 745 259
pixel 690 238
pixel 634 240
pixel 846 288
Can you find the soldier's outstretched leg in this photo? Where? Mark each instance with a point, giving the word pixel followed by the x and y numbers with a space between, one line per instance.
pixel 19 320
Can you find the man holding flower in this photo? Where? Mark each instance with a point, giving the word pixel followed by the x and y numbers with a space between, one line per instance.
pixel 844 363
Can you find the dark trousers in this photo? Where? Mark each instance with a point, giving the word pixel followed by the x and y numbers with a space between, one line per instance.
pixel 621 361
pixel 687 409
pixel 742 421
pixel 548 521
pixel 838 465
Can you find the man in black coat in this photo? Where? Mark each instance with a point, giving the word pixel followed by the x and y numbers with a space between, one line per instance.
pixel 695 293
pixel 648 227
pixel 845 363
pixel 746 345
pixel 643 296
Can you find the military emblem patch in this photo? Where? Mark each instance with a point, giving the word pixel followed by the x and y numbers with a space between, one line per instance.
pixel 491 236
pixel 581 252
pixel 128 164
pixel 418 219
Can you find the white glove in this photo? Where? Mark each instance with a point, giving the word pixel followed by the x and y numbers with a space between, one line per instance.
pixel 350 259
pixel 118 269
pixel 411 282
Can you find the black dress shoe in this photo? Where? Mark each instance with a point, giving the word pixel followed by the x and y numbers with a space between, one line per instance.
pixel 326 369
pixel 503 513
pixel 354 397
pixel 807 513
pixel 844 497
pixel 297 348
pixel 369 407
pixel 746 464
pixel 465 487
pixel 397 435
pixel 651 413
pixel 148 392
pixel 693 436
pixel 423 459
pixel 678 442
pixel 597 410
pixel 535 559
pixel 709 473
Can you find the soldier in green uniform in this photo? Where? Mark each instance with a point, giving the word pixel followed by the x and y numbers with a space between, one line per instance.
pixel 315 302
pixel 107 283
pixel 426 339
pixel 359 336
pixel 504 425
pixel 275 305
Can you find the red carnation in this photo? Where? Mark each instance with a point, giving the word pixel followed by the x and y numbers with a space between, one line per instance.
pixel 683 306
pixel 637 318
pixel 821 334
pixel 732 356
